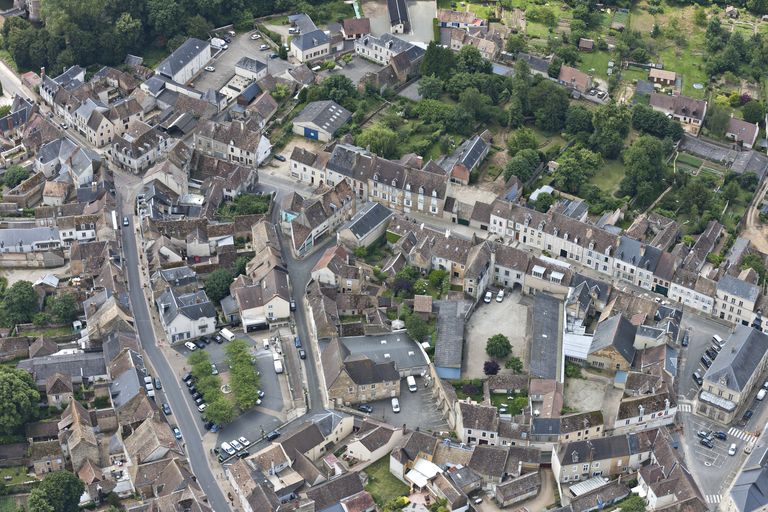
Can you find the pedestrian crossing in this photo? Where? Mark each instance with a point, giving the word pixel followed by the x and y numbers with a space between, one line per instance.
pixel 684 407
pixel 740 434
pixel 712 498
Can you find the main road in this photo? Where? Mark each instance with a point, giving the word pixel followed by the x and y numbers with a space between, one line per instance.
pixel 185 419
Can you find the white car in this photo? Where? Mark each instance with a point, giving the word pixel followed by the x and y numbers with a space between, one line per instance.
pixel 395 405
pixel 732 449
pixel 243 441
pixel 264 47
pixel 488 297
pixel 500 296
pixel 191 346
pixel 255 37
pixel 227 448
pixel 236 445
pixel 202 407
pixel 210 68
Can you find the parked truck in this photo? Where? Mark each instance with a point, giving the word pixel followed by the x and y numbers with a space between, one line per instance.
pixel 278 366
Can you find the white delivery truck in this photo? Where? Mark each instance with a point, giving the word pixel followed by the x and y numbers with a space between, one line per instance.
pixel 278 366
pixel 219 43
pixel 227 334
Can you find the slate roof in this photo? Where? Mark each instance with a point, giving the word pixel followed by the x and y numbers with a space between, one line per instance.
pixel 252 65
pixel 680 105
pixel 363 370
pixel 311 39
pixel 479 417
pixel 302 440
pixel 89 364
pixel 634 252
pixel 414 443
pixel 618 332
pixel 468 153
pixel 398 13
pixel 489 461
pixel 333 491
pixel 192 305
pixel 518 486
pixel 182 56
pixel 368 218
pixel 739 359
pixel 327 114
pixel 546 330
pixel 450 332
pixel 738 288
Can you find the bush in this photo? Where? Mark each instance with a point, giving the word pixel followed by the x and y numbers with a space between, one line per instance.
pixel 470 389
pixel 498 346
pixel 515 364
pixel 491 368
pixel 572 370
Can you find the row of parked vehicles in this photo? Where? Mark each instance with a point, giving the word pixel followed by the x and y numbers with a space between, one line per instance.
pixel 707 438
pixel 709 357
pixel 203 341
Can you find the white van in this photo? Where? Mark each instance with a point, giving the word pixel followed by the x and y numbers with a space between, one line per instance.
pixel 266 343
pixel 227 334
pixel 717 339
pixel 761 394
pixel 411 384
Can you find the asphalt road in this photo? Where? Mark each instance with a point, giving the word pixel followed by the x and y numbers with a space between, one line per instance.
pixel 186 420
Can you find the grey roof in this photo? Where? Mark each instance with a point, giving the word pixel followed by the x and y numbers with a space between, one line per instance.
pixel 302 21
pixel 616 331
pixel 738 288
pixel 185 53
pixel 309 40
pixel 740 358
pixel 192 305
pixel 154 85
pixel 634 252
pixel 21 110
pixel 468 153
pixel 535 62
pixel 178 276
pixel 393 43
pixel 644 87
pixel 750 489
pixel 398 13
pixel 328 115
pixel 12 237
pixel 545 426
pixel 450 332
pixel 546 329
pixel 76 365
pixel 129 383
pixel 402 350
pixel 250 64
pixel 368 218
pixel 601 287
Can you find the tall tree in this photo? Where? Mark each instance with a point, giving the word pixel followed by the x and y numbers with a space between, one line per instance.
pixel 380 139
pixel 20 303
pixel 469 60
pixel 430 87
pixel 611 123
pixel 645 171
pixel 217 284
pixel 61 490
pixel 438 61
pixel 498 346
pixel 549 103
pixel 18 399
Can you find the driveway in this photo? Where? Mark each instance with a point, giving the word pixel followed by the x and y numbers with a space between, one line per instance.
pixel 416 409
pixel 509 318
pixel 355 70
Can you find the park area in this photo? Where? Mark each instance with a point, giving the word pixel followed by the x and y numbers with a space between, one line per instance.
pixel 382 484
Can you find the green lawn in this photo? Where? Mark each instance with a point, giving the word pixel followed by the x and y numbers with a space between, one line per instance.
pixel 153 55
pixel 18 475
pixel 689 63
pixel 597 61
pixel 609 176
pixel 514 406
pixel 631 74
pixel 382 484
pixel 8 503
pixel 537 30
pixel 689 159
pixel 52 331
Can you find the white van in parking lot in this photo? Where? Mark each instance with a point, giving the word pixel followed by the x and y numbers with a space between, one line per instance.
pixel 411 384
pixel 227 334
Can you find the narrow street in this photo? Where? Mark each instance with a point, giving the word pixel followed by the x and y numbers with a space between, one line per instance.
pixel 187 421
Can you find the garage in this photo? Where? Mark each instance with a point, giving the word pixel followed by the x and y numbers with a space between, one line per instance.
pixel 320 120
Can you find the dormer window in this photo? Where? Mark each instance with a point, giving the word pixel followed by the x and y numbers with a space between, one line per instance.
pixel 421 190
pixel 375 177
pixel 394 183
pixel 408 186
pixel 434 193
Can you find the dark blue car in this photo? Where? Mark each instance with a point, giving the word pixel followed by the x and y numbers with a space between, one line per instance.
pixel 297 342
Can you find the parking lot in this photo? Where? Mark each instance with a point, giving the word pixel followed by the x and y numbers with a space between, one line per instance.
pixel 355 70
pixel 266 414
pixel 224 62
pixel 509 318
pixel 702 330
pixel 416 409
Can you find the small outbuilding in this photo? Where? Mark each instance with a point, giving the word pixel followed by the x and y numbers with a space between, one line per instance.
pixel 320 120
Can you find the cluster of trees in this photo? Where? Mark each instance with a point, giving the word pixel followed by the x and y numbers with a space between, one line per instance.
pixel 101 31
pixel 245 204
pixel 646 171
pixel 59 491
pixel 217 284
pixel 652 122
pixel 20 304
pixel 730 51
pixel 244 379
pixel 499 347
pixel 14 175
pixel 220 409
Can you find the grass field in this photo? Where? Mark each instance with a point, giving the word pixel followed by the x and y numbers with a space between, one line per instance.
pixel 8 504
pixel 18 475
pixel 595 63
pixel 536 30
pixel 382 484
pixel 609 176
pixel 689 159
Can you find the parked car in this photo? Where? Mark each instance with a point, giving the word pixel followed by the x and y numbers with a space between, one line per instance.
pixel 721 435
pixel 243 454
pixel 706 442
pixel 705 361
pixel 208 425
pixel 190 383
pixel 236 444
pixel 167 409
pixel 214 370
pixel 218 339
pixel 747 415
pixel 365 408
pixel 297 342
pixel 187 377
pixel 260 393
pixel 255 37
pixel 192 389
pixel 704 434
pixel 202 407
pixel 280 158
pixel 711 353
pixel 158 384
pixel 686 338
pixel 243 441
pixel 293 305
pixel 176 432
pixel 206 340
pixel 210 69
pixel 227 448
pixel 395 405
pixel 273 435
pixel 126 222
pixel 264 47
pixel 488 297
pixel 732 449
pixel 698 378
pixel 196 395
pixel 273 56
pixel 302 354
pixel 199 401
pixel 199 344
pixel 191 346
pixel 500 296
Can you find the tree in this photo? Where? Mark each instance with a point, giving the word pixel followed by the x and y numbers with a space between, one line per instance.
pixel 515 364
pixel 498 346
pixel 163 16
pixel 127 32
pixel 430 87
pixel 438 61
pixel 380 139
pixel 18 399
pixel 240 266
pixel 575 168
pixel 523 138
pixel 541 15
pixel 753 112
pixel 244 378
pixel 522 165
pixel 491 368
pixel 475 103
pixel 14 175
pixel 717 119
pixel 578 120
pixel 217 284
pixel 220 410
pixel 553 70
pixel 543 202
pixel 469 60
pixel 611 124
pixel 633 503
pixel 549 104
pixel 645 171
pixel 64 307
pixel 20 303
pixel 38 503
pixel 647 120
pixel 515 116
pixel 516 43
pixel 417 328
pixel 61 490
pixel 199 27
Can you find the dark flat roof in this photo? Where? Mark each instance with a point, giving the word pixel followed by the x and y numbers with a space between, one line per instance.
pixel 546 331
